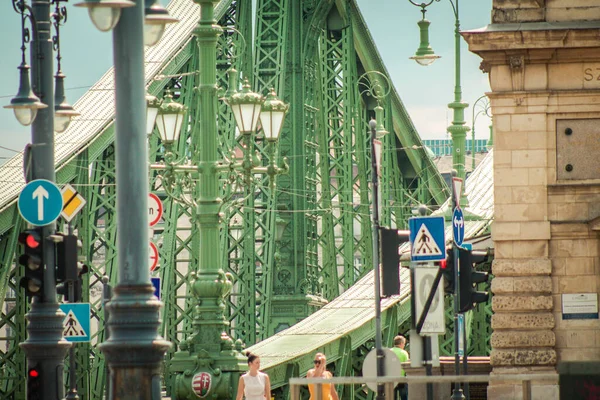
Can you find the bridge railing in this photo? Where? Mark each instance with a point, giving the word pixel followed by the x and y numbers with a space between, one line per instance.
pixel 390 382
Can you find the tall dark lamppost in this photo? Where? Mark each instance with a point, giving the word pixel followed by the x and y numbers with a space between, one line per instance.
pixel 134 350
pixel 208 361
pixel 35 104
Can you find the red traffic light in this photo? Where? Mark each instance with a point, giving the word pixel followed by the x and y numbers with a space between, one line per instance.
pixel 33 373
pixel 30 239
pixel 443 264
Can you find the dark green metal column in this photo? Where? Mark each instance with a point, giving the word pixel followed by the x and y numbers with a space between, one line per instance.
pixel 134 350
pixel 45 345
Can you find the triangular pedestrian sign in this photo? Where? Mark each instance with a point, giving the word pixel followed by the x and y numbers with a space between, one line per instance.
pixel 71 326
pixel 427 238
pixel 424 244
pixel 76 324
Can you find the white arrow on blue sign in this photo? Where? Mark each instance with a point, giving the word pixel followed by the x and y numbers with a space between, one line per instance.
pixel 40 202
pixel 458 226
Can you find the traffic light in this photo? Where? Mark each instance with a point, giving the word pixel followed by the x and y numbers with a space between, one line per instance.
pixel 33 261
pixel 447 267
pixel 390 240
pixel 68 268
pixel 34 383
pixel 67 255
pixel 470 277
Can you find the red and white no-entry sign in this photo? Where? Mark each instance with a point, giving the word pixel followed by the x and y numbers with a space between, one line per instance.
pixel 153 256
pixel 155 209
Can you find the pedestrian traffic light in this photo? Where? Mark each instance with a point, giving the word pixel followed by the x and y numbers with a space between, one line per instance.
pixel 390 240
pixel 32 260
pixel 470 277
pixel 34 383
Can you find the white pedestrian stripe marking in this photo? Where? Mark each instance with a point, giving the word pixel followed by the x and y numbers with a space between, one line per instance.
pixel 424 245
pixel 71 326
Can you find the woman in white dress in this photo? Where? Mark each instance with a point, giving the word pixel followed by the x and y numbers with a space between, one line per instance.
pixel 254 385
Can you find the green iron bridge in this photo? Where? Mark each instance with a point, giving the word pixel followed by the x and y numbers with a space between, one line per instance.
pixel 310 288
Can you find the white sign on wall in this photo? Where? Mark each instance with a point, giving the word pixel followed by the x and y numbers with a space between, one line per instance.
pixel 580 306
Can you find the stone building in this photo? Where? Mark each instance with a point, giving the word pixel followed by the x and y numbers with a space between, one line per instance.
pixel 543 61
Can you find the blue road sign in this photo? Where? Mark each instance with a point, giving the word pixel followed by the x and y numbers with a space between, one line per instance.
pixel 458 226
pixel 76 325
pixel 40 202
pixel 427 239
pixel 156 284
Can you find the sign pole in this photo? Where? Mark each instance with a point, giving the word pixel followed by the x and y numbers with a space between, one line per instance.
pixel 380 366
pixel 457 393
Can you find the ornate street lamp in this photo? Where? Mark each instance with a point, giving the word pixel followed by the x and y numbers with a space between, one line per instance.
pixel 170 119
pixel 246 106
pixel 155 21
pixel 272 116
pixel 63 111
pixel 195 183
pixel 25 104
pixel 152 108
pixel 105 14
pixel 425 54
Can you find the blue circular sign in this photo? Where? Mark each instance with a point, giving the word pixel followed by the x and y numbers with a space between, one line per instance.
pixel 40 202
pixel 458 226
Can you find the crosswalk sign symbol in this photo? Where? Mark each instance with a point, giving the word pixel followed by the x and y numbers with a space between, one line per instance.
pixel 424 244
pixel 76 324
pixel 427 239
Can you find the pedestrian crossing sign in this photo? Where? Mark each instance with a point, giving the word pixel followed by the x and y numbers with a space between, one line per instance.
pixel 427 239
pixel 76 324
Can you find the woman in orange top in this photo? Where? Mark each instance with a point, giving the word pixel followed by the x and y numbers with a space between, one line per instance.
pixel 328 391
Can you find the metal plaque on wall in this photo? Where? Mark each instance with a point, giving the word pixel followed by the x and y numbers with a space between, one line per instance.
pixel 577 149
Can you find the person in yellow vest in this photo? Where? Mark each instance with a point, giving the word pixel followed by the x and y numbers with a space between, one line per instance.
pixel 398 349
pixel 328 391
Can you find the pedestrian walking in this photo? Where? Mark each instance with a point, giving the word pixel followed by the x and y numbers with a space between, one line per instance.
pixel 401 392
pixel 328 391
pixel 254 385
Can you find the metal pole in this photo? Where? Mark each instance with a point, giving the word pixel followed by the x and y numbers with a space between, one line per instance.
pixel 457 393
pixel 375 215
pixel 466 361
pixel 72 394
pixel 134 351
pixel 458 130
pixel 45 345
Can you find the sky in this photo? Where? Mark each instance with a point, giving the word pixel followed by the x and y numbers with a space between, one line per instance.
pixel 425 91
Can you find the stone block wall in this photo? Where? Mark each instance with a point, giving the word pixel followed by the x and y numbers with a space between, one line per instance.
pixel 546 220
pixel 513 11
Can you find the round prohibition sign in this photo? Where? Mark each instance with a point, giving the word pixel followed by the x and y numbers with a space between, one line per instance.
pixel 155 209
pixel 153 256
pixel 425 287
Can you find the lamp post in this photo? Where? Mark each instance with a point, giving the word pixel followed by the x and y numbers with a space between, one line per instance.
pixel 425 56
pixel 458 132
pixel 35 104
pixel 481 106
pixel 207 361
pixel 376 85
pixel 134 350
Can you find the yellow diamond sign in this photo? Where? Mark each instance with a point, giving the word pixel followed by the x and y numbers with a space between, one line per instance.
pixel 73 202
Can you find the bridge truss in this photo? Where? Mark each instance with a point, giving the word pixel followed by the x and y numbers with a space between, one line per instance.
pixel 313 53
